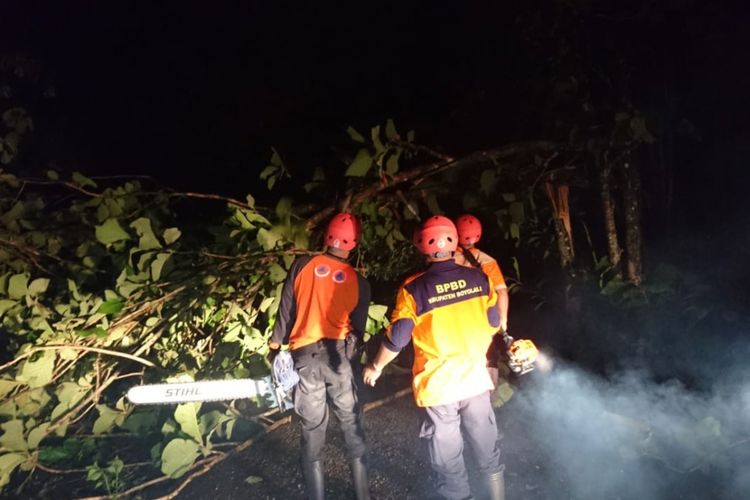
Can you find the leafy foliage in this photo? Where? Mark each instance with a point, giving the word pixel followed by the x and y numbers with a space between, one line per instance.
pixel 97 282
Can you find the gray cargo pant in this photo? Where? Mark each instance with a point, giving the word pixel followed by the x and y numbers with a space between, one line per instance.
pixel 326 374
pixel 443 430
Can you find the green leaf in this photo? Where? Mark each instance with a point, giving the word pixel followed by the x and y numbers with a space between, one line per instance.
pixel 276 158
pixel 32 402
pixel 360 165
pixel 157 265
pixel 301 240
pixel 390 130
pixel 17 285
pixel 73 289
pixel 171 234
pixel 410 136
pixel 178 456
pixel 107 420
pixel 82 180
pixel 141 422
pixel 186 416
pixel 284 209
pixel 37 434
pixel 96 331
pixel 68 395
pixel 375 135
pixel 377 311
pixel 516 211
pixel 276 273
pixel 355 136
pixel 111 307
pixel 147 238
pixel 6 386
pixel 488 181
pixel 391 166
pixel 111 232
pixel 268 171
pixel 38 286
pixel 253 479
pixel 11 216
pixel 52 175
pixel 6 304
pixel 8 463
pixel 268 238
pixel 8 409
pixel 12 438
pixel 264 305
pixel 38 372
pixel 515 231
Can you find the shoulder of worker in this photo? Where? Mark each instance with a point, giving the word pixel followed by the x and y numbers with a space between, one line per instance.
pixel 483 257
pixel 411 278
pixel 448 269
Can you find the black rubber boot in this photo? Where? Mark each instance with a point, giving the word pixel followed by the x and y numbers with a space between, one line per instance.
pixel 360 478
pixel 314 480
pixel 495 486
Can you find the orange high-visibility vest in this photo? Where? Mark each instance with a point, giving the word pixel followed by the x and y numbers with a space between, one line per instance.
pixel 323 298
pixel 449 306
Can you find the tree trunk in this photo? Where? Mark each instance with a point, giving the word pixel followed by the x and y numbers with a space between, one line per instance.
pixel 608 207
pixel 558 197
pixel 633 233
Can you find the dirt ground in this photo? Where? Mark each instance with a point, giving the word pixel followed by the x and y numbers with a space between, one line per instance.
pixel 400 466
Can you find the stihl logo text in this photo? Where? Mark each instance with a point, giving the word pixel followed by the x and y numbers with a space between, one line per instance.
pixel 181 392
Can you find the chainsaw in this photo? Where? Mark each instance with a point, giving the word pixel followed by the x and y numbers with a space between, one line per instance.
pixel 274 389
pixel 522 354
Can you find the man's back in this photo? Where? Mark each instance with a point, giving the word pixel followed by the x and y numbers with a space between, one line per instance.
pixel 327 292
pixel 453 311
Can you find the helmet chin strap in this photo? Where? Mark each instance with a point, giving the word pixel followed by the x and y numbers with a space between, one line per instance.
pixel 441 255
pixel 337 252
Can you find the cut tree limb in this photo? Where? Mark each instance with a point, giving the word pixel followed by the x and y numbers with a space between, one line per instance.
pixel 420 172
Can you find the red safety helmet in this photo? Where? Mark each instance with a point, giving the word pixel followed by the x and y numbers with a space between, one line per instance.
pixel 469 230
pixel 437 235
pixel 343 232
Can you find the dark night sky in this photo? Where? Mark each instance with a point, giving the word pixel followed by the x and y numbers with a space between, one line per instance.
pixel 196 94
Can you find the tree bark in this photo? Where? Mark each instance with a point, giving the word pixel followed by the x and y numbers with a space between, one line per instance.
pixel 633 233
pixel 608 207
pixel 558 197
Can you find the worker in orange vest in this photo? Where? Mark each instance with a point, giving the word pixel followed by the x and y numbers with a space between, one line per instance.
pixel 322 316
pixel 469 233
pixel 450 313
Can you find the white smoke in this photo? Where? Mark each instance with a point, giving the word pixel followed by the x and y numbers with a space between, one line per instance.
pixel 629 437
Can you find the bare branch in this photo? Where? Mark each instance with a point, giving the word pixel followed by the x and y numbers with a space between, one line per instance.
pixel 57 347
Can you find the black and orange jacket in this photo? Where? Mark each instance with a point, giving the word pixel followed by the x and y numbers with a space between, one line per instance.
pixel 323 298
pixel 450 312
